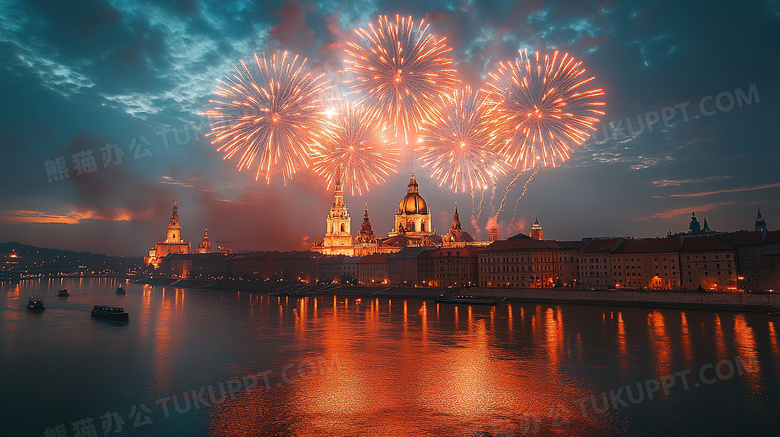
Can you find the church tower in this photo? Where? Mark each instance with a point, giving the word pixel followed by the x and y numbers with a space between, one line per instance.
pixel 205 244
pixel 173 242
pixel 338 231
pixel 174 227
pixel 456 237
pixel 695 227
pixel 365 241
pixel 760 222
pixel 536 230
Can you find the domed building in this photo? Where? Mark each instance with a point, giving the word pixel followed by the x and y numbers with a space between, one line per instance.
pixel 412 227
pixel 412 218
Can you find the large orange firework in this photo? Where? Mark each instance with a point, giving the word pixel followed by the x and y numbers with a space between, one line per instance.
pixel 542 107
pixel 271 115
pixel 356 147
pixel 399 70
pixel 456 143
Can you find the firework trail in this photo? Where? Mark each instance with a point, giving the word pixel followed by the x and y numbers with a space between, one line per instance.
pixel 481 201
pixel 542 108
pixel 355 146
pixel 525 190
pixel 269 112
pixel 456 143
pixel 507 190
pixel 399 70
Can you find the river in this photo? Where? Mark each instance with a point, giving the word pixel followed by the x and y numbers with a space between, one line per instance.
pixel 194 362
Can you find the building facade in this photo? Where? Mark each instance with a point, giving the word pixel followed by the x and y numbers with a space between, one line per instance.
pixel 527 263
pixel 708 263
pixel 455 267
pixel 372 269
pixel 652 263
pixel 593 264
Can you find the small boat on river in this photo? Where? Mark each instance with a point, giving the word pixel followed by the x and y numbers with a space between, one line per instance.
pixel 35 304
pixel 110 313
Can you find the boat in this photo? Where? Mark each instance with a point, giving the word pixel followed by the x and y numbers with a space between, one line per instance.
pixel 63 293
pixel 110 313
pixel 468 300
pixel 775 313
pixel 120 290
pixel 35 304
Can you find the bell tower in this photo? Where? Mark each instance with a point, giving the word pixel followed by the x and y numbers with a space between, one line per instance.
pixel 174 228
pixel 536 230
pixel 365 241
pixel 205 244
pixel 338 231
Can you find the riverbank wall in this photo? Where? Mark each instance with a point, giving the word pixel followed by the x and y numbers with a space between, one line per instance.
pixel 634 298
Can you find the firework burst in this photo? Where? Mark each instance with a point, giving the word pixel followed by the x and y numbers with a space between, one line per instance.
pixel 399 70
pixel 270 115
pixel 356 148
pixel 456 143
pixel 542 108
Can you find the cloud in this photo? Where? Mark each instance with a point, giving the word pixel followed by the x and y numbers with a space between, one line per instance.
pixel 71 215
pixel 727 190
pixel 678 182
pixel 687 210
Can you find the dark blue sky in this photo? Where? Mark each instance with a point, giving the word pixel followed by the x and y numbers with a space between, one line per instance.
pixel 127 81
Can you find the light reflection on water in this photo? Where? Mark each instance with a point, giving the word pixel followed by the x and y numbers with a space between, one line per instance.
pixel 405 366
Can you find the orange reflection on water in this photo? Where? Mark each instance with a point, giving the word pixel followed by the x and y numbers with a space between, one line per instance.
pixel 161 326
pixel 510 323
pixel 773 341
pixel 621 337
pixel 393 385
pixel 659 343
pixel 746 348
pixel 553 329
pixel 686 340
pixel 720 341
pixel 424 326
pixel 406 318
pixel 456 317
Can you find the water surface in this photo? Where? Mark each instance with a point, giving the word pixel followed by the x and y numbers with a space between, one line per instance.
pixel 261 365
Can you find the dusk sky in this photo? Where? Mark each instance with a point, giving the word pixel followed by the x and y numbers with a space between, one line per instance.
pixel 129 81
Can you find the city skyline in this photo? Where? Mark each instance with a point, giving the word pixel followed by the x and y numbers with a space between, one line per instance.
pixel 686 130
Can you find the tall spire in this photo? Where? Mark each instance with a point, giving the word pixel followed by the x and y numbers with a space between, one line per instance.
pixel 456 219
pixel 174 214
pixel 760 222
pixel 338 195
pixel 174 227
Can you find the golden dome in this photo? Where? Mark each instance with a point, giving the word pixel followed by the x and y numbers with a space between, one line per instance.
pixel 412 203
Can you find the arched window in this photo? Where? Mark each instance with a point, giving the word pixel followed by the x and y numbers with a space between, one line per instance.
pixel 342 227
pixel 422 226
